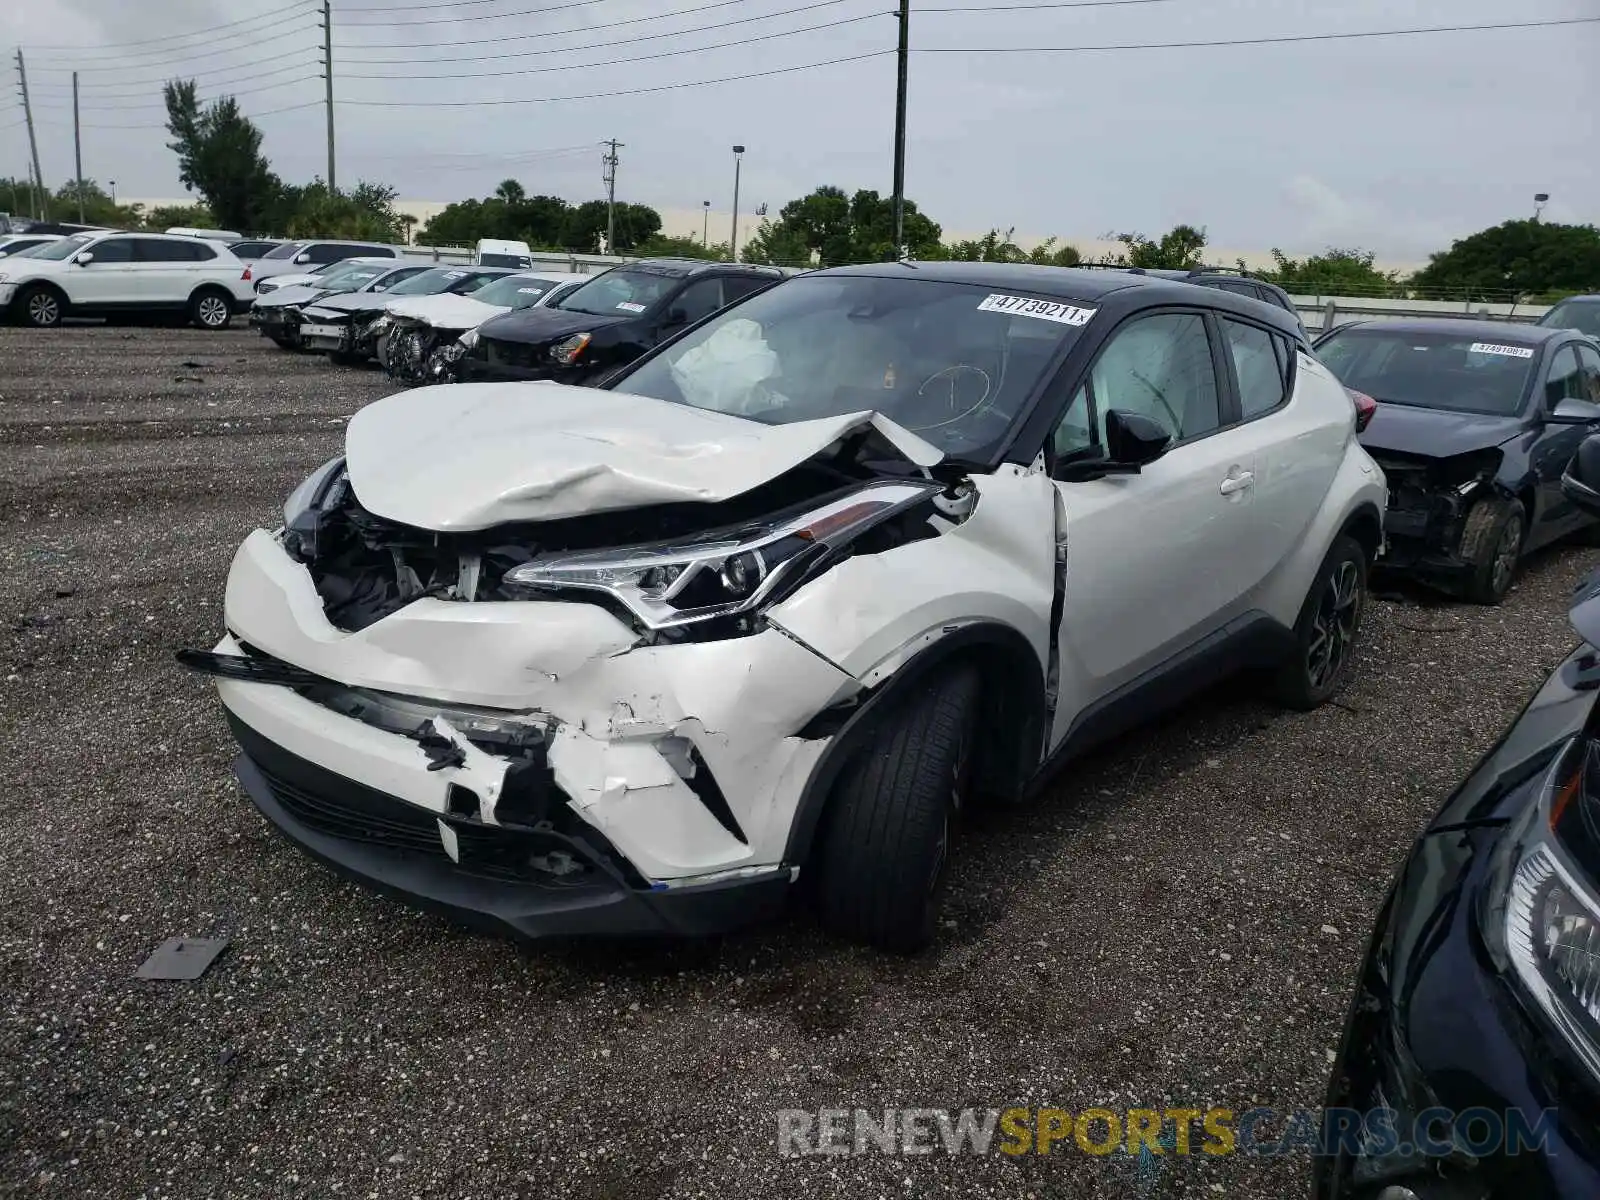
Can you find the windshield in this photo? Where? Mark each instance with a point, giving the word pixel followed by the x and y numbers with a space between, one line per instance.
pixel 287 250
pixel 456 280
pixel 1456 372
pixel 620 292
pixel 354 279
pixel 952 362
pixel 1582 315
pixel 514 291
pixel 64 249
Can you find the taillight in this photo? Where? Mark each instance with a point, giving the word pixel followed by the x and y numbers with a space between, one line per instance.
pixel 245 278
pixel 1366 406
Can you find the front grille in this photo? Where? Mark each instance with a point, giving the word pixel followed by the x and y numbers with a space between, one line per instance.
pixel 509 354
pixel 359 815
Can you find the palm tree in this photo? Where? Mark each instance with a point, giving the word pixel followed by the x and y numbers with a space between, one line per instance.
pixel 510 191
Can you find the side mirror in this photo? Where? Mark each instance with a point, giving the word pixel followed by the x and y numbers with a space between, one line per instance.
pixel 1134 440
pixel 302 258
pixel 1580 483
pixel 84 259
pixel 1574 412
pixel 675 316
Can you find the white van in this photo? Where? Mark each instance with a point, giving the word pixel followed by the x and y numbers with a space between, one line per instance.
pixel 211 235
pixel 493 252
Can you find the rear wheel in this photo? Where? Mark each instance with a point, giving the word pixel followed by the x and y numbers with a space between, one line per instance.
pixel 1491 545
pixel 40 306
pixel 211 308
pixel 1325 634
pixel 885 842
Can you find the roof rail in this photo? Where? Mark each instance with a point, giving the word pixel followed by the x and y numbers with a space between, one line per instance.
pixel 1222 271
pixel 1105 266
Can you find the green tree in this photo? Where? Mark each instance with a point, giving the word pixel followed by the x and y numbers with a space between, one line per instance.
pixel 663 246
pixel 364 213
pixel 835 228
pixel 219 156
pixel 187 216
pixel 18 197
pixel 995 246
pixel 1516 258
pixel 98 208
pixel 586 225
pixel 1178 249
pixel 1337 271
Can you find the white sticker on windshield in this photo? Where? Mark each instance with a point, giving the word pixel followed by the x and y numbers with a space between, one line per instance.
pixel 1491 348
pixel 630 306
pixel 530 291
pixel 1045 310
pixel 454 274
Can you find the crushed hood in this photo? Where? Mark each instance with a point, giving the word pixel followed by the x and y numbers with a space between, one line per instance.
pixel 351 302
pixel 462 457
pixel 289 297
pixel 446 311
pixel 539 326
pixel 1435 433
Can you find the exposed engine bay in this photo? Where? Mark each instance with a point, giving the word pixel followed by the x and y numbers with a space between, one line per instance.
pixel 1429 499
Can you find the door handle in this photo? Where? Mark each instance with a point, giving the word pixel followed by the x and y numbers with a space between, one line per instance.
pixel 1236 483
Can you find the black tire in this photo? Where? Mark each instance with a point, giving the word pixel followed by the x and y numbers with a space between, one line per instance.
pixel 884 845
pixel 1325 633
pixel 40 306
pixel 1491 545
pixel 211 308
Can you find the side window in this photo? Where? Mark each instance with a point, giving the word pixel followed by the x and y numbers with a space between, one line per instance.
pixel 1589 369
pixel 1562 381
pixel 322 252
pixel 736 287
pixel 1258 366
pixel 699 299
pixel 1159 366
pixel 1075 434
pixel 375 251
pixel 200 251
pixel 112 250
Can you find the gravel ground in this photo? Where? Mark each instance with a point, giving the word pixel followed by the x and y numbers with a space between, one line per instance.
pixel 1178 922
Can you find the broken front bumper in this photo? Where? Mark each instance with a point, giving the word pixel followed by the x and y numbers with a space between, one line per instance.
pixel 671 773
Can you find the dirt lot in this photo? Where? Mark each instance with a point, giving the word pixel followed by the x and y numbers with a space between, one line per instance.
pixel 1177 923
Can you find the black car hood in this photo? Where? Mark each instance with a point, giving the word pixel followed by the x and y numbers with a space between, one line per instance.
pixel 536 326
pixel 1435 433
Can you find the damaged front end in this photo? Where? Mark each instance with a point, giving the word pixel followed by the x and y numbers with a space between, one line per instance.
pixel 1429 499
pixel 571 726
pixel 342 332
pixel 413 352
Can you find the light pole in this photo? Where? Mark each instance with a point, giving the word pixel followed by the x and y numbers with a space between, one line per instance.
pixel 705 223
pixel 1540 199
pixel 733 244
pixel 113 184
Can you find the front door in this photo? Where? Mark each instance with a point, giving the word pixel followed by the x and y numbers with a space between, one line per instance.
pixel 110 277
pixel 1554 445
pixel 1149 557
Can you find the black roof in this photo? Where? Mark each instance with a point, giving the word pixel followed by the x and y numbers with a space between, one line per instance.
pixel 683 267
pixel 1496 331
pixel 1079 283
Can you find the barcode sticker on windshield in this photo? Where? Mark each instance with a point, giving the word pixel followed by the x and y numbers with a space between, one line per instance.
pixel 1045 310
pixel 454 274
pixel 530 291
pixel 630 306
pixel 1491 348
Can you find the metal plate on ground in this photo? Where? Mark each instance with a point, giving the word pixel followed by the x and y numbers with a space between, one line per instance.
pixel 182 958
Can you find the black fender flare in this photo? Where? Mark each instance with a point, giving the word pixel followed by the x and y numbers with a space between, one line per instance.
pixel 1012 734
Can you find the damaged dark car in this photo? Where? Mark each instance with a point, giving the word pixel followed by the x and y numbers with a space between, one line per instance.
pixel 348 327
pixel 608 322
pixel 1476 421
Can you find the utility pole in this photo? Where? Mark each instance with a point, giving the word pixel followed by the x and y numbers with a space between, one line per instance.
pixel 327 79
pixel 609 161
pixel 733 241
pixel 77 147
pixel 705 223
pixel 902 54
pixel 33 140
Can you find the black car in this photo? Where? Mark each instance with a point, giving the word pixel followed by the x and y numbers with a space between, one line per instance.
pixel 1470 1061
pixel 347 326
pixel 1475 421
pixel 1575 312
pixel 1226 279
pixel 609 321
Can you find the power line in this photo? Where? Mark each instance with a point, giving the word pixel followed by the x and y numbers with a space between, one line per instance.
pixel 271 112
pixel 605 45
pixel 122 46
pixel 679 12
pixel 526 12
pixel 207 83
pixel 613 62
pixel 189 58
pixel 383 8
pixel 665 87
pixel 1261 41
pixel 122 107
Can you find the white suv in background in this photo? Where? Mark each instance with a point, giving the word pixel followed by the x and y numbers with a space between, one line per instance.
pixel 98 274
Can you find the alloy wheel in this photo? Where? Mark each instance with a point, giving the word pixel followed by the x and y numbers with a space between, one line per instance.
pixel 213 312
pixel 43 309
pixel 1333 629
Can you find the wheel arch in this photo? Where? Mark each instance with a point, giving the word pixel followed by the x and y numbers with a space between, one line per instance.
pixel 1011 731
pixel 39 283
pixel 1365 526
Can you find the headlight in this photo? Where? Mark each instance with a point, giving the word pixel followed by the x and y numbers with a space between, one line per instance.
pixel 1543 919
pixel 302 510
pixel 468 340
pixel 670 584
pixel 566 351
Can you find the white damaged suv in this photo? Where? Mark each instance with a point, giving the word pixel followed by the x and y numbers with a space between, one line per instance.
pixel 781 598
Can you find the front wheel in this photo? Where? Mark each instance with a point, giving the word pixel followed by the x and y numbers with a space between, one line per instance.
pixel 211 308
pixel 1325 634
pixel 1491 546
pixel 885 841
pixel 40 307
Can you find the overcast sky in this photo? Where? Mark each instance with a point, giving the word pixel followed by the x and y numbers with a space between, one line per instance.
pixel 1396 144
